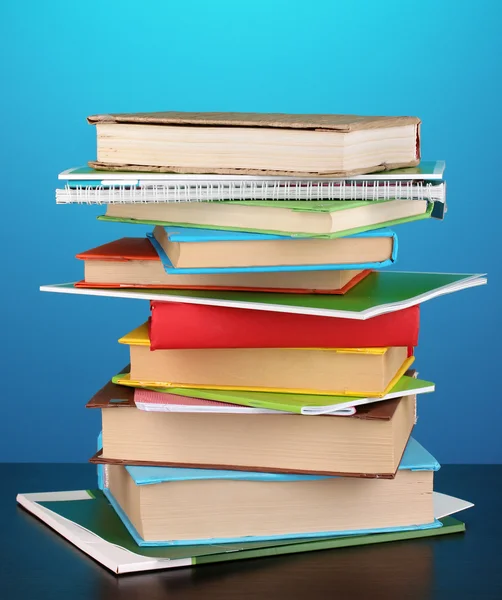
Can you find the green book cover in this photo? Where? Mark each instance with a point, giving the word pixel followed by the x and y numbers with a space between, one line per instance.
pixel 381 292
pixel 87 520
pixel 296 205
pixel 304 404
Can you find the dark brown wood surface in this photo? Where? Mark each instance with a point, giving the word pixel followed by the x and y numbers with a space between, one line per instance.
pixel 36 563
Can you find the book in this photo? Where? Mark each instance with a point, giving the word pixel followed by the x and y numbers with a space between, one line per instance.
pixel 303 404
pixel 329 219
pixel 134 262
pixel 342 371
pixel 176 506
pixel 370 443
pixel 187 250
pixel 255 143
pixel 184 326
pixel 379 293
pixel 87 520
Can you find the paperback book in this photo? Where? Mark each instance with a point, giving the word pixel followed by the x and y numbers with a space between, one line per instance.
pixel 379 293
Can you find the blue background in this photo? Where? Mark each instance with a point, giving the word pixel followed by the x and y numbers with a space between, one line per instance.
pixel 62 61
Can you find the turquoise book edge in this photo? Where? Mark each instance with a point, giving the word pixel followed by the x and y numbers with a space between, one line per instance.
pixel 89 515
pixel 193 235
pixel 271 538
pixel 339 234
pixel 415 458
pixel 171 270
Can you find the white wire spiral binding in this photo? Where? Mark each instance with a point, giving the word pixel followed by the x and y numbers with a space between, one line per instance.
pixel 245 190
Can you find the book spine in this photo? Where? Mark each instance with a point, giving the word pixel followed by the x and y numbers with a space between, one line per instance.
pixel 251 190
pixel 196 326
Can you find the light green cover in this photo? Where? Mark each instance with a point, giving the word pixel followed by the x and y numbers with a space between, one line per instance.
pixel 292 403
pixel 98 516
pixel 297 205
pixel 381 292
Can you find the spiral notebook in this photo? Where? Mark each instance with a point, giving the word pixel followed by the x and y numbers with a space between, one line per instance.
pixel 84 185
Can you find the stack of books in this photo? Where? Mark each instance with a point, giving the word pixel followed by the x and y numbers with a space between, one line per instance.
pixel 270 397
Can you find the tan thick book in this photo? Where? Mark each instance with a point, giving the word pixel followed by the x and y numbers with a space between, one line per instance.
pixel 369 443
pixel 255 143
pixel 133 262
pixel 335 218
pixel 283 252
pixel 342 371
pixel 174 505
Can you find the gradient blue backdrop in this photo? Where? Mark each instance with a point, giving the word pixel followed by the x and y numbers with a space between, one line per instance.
pixel 62 61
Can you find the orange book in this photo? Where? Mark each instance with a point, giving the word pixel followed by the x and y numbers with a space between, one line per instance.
pixel 134 263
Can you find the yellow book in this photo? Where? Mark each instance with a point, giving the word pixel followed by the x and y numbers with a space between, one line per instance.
pixel 325 371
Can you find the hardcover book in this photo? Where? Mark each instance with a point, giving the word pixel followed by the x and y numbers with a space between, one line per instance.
pixel 338 371
pixel 255 143
pixel 134 263
pixel 323 219
pixel 370 443
pixel 185 250
pixel 182 325
pixel 203 506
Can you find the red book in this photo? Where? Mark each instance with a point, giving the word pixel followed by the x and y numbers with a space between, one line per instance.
pixel 134 263
pixel 188 326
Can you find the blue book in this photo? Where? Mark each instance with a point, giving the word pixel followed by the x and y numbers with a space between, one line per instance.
pixel 175 239
pixel 164 506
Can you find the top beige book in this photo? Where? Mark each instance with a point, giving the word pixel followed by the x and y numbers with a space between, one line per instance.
pixel 255 143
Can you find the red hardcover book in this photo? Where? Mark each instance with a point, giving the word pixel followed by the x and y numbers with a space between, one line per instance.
pixel 134 263
pixel 188 326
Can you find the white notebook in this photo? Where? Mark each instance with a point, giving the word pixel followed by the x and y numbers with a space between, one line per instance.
pixel 88 186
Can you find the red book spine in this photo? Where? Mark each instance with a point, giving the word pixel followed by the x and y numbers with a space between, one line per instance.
pixel 189 326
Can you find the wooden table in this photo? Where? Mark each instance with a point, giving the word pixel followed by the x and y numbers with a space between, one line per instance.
pixel 36 563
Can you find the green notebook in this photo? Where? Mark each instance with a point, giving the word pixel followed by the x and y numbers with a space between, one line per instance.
pixel 87 520
pixel 303 404
pixel 381 292
pixel 143 214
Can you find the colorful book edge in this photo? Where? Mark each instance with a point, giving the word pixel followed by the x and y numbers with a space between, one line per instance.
pixel 119 554
pixel 339 234
pixel 171 270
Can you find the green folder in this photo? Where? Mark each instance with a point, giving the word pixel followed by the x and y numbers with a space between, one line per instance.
pixel 87 520
pixel 303 404
pixel 380 292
